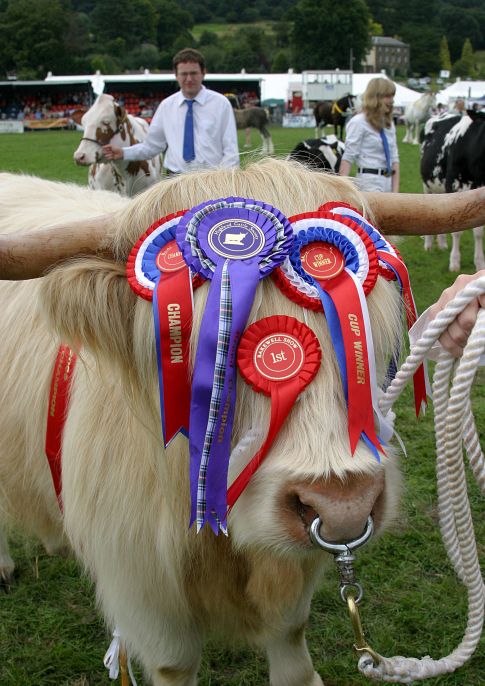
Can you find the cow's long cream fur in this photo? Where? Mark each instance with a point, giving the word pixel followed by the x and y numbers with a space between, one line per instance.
pixel 26 493
pixel 126 500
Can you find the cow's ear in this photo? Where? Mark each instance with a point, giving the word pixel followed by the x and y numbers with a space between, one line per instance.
pixel 77 115
pixel 474 115
pixel 89 303
pixel 119 112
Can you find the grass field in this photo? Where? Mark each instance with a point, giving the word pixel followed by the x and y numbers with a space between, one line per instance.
pixel 52 635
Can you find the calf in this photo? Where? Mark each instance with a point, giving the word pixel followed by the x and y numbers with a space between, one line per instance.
pixel 108 122
pixel 322 153
pixel 453 160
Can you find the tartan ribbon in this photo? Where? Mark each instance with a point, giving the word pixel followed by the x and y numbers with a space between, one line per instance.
pixel 234 242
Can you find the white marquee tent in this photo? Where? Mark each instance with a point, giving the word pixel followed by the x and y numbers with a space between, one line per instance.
pixel 276 86
pixel 468 90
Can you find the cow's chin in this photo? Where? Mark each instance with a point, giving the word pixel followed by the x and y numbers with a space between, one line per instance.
pixel 277 513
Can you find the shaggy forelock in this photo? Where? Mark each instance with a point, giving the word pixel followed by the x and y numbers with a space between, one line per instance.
pixel 287 185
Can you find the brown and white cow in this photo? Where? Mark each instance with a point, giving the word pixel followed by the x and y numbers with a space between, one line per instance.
pixel 126 499
pixel 108 122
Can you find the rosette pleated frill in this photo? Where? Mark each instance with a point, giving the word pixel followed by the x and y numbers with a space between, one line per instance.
pixel 278 356
pixel 333 265
pixel 233 242
pixel 392 268
pixel 156 271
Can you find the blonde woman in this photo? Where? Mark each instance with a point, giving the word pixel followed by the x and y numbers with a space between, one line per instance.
pixel 370 140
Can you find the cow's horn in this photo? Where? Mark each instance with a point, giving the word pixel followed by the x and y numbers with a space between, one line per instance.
pixel 30 254
pixel 407 213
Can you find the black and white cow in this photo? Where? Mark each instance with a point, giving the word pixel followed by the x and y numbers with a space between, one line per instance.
pixel 321 153
pixel 453 160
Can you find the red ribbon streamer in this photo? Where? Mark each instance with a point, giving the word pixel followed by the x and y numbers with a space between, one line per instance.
pixel 57 413
pixel 283 397
pixel 174 301
pixel 419 378
pixel 283 380
pixel 359 396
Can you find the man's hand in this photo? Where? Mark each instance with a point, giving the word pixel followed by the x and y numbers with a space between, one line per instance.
pixel 112 152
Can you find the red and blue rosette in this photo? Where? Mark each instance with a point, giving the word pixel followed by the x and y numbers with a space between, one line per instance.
pixel 278 356
pixel 156 271
pixel 234 242
pixel 392 268
pixel 338 259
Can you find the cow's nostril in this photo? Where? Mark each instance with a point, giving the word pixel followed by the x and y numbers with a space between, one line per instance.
pixel 306 513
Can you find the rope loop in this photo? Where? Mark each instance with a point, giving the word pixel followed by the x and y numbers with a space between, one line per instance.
pixel 454 428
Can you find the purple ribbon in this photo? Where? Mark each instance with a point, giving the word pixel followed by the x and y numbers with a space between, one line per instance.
pixel 234 242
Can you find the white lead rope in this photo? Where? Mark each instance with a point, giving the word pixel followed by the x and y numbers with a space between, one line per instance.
pixel 454 427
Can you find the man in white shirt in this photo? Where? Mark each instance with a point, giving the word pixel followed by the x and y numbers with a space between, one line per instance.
pixel 213 140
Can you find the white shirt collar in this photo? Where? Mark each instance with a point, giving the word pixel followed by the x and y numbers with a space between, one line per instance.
pixel 201 96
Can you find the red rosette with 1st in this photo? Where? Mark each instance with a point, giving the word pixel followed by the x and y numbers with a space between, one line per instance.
pixel 278 356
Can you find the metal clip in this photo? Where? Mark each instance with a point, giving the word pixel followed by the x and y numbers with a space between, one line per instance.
pixel 351 591
pixel 360 645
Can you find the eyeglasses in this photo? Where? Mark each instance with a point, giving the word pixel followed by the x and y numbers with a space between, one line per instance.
pixel 188 74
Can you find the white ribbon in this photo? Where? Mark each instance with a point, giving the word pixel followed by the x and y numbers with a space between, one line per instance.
pixel 111 659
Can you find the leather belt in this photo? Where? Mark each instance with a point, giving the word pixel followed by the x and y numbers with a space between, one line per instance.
pixel 379 172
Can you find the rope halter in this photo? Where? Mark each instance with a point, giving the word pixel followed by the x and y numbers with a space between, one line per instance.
pixel 454 427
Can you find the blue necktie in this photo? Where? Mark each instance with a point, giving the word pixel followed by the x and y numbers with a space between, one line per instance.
pixel 188 150
pixel 387 152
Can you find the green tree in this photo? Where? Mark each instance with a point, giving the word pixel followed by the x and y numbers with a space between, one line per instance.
pixel 445 59
pixel 33 37
pixel 281 62
pixel 326 31
pixel 458 24
pixel 132 20
pixel 375 29
pixel 172 24
pixel 249 49
pixel 465 66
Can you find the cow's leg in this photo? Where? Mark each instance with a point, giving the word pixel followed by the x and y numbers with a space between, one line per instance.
pixel 428 242
pixel 478 258
pixel 182 649
pixel 416 133
pixel 165 641
pixel 442 241
pixel 455 256
pixel 267 147
pixel 176 676
pixel 406 135
pixel 7 565
pixel 290 663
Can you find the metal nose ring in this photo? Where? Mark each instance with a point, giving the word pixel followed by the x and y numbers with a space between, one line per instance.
pixel 336 548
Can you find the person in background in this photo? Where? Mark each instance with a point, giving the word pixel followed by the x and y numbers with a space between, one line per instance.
pixel 370 140
pixel 194 127
pixel 459 107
